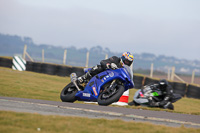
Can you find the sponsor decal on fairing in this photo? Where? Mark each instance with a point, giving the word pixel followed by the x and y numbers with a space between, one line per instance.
pixel 111 74
pixel 94 90
pixel 86 94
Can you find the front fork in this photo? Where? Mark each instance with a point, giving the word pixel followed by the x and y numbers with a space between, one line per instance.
pixel 112 86
pixel 73 78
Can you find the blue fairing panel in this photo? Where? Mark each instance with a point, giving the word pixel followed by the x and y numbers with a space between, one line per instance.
pixel 94 86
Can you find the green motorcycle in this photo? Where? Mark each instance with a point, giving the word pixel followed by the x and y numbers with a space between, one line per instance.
pixel 143 96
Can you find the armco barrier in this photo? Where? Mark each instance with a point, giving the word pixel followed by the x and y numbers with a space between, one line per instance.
pixel 29 66
pixel 171 83
pixel 63 70
pixel 48 68
pixel 138 81
pixel 5 62
pixel 78 70
pixel 148 81
pixel 37 67
pixel 51 69
pixel 179 88
pixel 193 91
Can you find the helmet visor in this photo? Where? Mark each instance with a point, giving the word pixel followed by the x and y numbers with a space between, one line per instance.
pixel 127 62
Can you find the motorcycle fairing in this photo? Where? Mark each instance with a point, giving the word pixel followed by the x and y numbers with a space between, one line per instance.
pixel 94 86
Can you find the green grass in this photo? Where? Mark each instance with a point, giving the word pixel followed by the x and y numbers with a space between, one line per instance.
pixel 30 85
pixel 41 86
pixel 47 87
pixel 30 123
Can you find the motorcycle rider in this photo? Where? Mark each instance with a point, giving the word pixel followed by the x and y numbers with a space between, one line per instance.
pixel 167 92
pixel 113 62
pixel 167 96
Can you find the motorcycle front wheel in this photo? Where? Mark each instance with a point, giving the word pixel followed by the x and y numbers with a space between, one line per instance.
pixel 68 93
pixel 106 98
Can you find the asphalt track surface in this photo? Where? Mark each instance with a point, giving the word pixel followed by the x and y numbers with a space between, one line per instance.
pixel 45 107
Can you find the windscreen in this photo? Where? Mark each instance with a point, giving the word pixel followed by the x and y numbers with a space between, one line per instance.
pixel 130 72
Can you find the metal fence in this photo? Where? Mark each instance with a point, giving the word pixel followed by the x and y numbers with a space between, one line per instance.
pixel 171 75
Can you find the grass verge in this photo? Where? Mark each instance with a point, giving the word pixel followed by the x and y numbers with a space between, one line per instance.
pixel 47 87
pixel 25 122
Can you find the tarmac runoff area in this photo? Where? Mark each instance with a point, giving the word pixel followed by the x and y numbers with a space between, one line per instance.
pixel 95 111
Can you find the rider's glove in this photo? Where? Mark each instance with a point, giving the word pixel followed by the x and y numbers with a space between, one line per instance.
pixel 113 66
pixel 108 65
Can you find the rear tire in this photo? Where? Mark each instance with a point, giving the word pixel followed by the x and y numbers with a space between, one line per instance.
pixel 68 93
pixel 114 98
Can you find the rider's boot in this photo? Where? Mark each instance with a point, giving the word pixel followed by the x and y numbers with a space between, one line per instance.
pixel 84 78
pixel 169 105
pixel 133 103
pixel 152 103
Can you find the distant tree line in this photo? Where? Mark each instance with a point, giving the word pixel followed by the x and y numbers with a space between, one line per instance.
pixel 13 44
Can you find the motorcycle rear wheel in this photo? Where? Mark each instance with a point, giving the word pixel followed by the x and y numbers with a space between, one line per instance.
pixel 109 100
pixel 68 93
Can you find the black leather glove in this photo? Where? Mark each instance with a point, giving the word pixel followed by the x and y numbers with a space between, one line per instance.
pixel 112 66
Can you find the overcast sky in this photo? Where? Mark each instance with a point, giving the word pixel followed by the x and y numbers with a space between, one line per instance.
pixel 161 27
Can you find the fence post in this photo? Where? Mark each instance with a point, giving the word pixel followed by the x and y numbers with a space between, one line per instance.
pixel 24 54
pixel 168 74
pixel 176 76
pixel 65 56
pixel 193 75
pixel 29 56
pixel 87 59
pixel 151 72
pixel 172 74
pixel 179 78
pixel 42 55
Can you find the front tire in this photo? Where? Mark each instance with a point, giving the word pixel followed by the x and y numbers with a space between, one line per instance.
pixel 106 100
pixel 68 93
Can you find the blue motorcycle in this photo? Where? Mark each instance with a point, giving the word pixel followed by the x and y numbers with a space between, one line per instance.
pixel 105 88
